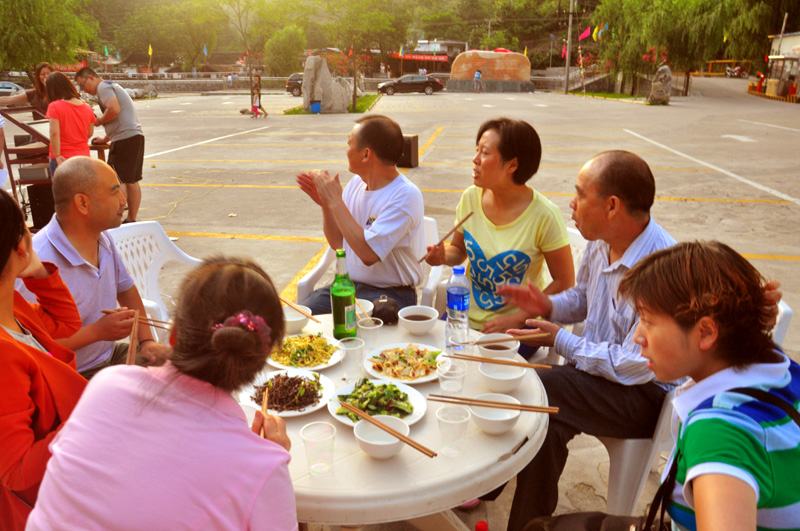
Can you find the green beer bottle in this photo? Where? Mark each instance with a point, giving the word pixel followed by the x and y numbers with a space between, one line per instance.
pixel 343 300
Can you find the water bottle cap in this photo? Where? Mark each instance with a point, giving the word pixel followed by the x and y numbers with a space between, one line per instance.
pixel 459 270
pixel 482 525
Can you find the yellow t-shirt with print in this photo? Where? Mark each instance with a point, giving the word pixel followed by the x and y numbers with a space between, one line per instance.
pixel 511 253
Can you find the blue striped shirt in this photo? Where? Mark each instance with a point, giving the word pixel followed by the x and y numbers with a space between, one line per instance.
pixel 606 348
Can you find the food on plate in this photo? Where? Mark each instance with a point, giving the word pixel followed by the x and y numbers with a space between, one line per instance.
pixel 304 351
pixel 383 399
pixel 290 393
pixel 407 363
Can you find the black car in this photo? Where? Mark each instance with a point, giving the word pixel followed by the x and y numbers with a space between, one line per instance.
pixel 295 84
pixel 411 83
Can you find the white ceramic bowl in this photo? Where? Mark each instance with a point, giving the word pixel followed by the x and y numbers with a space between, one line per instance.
pixel 365 306
pixel 501 350
pixel 415 327
pixel 495 421
pixel 501 378
pixel 377 443
pixel 295 321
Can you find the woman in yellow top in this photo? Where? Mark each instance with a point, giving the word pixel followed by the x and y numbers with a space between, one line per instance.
pixel 514 229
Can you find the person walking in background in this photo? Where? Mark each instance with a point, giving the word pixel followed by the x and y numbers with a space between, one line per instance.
pixel 477 81
pixel 255 98
pixel 124 132
pixel 71 121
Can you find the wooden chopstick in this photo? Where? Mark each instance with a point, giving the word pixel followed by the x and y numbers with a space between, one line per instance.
pixel 522 337
pixel 499 361
pixel 264 407
pixel 364 314
pixel 299 310
pixel 447 235
pixel 491 404
pixel 149 319
pixel 391 431
pixel 133 341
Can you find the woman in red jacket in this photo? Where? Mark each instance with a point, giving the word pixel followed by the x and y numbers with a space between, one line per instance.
pixel 39 383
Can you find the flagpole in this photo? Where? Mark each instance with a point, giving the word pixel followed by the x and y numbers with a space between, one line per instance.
pixel 572 7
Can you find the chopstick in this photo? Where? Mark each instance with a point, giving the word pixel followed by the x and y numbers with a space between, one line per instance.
pixel 155 323
pixel 447 235
pixel 133 341
pixel 391 431
pixel 299 310
pixel 499 361
pixel 364 314
pixel 264 408
pixel 491 404
pixel 522 337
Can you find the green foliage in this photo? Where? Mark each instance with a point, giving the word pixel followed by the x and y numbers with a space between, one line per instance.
pixel 28 34
pixel 283 52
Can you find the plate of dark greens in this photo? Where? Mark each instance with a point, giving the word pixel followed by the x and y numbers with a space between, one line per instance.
pixel 292 392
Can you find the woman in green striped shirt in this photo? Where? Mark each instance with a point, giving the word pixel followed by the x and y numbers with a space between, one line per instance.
pixel 706 313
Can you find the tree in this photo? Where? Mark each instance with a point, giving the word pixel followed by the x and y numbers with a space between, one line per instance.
pixel 284 50
pixel 29 36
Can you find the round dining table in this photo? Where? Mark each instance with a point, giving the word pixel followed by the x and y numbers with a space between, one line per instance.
pixel 360 490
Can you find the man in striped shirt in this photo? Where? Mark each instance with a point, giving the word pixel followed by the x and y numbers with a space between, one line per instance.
pixel 605 388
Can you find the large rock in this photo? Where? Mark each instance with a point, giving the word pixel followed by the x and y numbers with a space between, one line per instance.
pixel 661 87
pixel 334 94
pixel 494 66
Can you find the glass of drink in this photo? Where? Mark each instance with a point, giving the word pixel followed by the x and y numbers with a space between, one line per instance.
pixel 369 330
pixel 318 438
pixel 451 375
pixel 453 421
pixel 353 348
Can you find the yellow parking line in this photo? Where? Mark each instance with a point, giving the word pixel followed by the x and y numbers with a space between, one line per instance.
pixel 289 292
pixel 296 144
pixel 772 257
pixel 266 161
pixel 235 236
pixel 430 141
pixel 221 185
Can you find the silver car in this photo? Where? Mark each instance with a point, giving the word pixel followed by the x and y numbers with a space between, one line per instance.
pixel 7 88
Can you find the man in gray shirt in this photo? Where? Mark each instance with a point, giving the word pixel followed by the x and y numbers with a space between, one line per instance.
pixel 123 130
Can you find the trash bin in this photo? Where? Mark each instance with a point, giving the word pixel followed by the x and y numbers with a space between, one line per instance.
pixel 410 156
pixel 316 107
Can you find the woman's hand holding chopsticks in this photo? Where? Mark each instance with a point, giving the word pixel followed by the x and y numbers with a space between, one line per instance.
pixel 274 429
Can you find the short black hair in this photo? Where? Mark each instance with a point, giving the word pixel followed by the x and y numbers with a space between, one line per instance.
pixel 382 135
pixel 518 140
pixel 627 176
pixel 85 72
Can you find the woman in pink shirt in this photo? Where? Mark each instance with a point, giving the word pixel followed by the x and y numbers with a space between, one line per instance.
pixel 168 447
pixel 71 120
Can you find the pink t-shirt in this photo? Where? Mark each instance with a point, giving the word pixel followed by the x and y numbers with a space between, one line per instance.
pixel 150 448
pixel 73 126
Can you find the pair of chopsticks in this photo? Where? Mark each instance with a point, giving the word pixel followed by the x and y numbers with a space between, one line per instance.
pixel 391 431
pixel 155 323
pixel 133 341
pixel 447 235
pixel 499 361
pixel 264 407
pixel 445 399
pixel 361 313
pixel 521 337
pixel 299 310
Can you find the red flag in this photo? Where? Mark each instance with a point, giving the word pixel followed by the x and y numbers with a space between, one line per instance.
pixel 350 53
pixel 564 51
pixel 586 33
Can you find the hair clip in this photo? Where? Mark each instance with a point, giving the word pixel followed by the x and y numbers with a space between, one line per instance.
pixel 246 320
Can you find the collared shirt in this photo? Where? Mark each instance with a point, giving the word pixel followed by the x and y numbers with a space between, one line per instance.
pixel 94 288
pixel 151 448
pixel 606 348
pixel 736 435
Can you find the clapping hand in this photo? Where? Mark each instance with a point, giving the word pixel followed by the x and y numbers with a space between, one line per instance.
pixel 305 181
pixel 538 326
pixel 528 298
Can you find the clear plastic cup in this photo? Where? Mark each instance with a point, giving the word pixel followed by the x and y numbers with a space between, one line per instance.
pixel 451 375
pixel 353 363
pixel 318 439
pixel 453 422
pixel 369 330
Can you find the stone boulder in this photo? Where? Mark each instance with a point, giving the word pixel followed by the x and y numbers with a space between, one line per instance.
pixel 661 87
pixel 494 66
pixel 334 94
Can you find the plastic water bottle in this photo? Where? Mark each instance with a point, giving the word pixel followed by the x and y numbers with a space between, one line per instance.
pixel 457 327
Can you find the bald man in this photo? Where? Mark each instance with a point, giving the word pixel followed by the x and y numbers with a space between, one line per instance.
pixel 88 201
pixel 606 387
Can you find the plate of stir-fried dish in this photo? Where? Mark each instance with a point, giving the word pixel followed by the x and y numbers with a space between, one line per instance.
pixel 292 392
pixel 410 363
pixel 378 397
pixel 306 351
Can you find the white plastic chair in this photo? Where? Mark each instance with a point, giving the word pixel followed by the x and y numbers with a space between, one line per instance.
pixel 430 275
pixel 145 248
pixel 782 324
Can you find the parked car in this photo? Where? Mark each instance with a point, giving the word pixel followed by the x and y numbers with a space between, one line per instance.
pixel 295 84
pixel 7 88
pixel 411 83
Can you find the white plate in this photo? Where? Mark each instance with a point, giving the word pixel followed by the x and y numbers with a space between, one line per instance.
pixel 416 398
pixel 328 392
pixel 336 357
pixel 372 372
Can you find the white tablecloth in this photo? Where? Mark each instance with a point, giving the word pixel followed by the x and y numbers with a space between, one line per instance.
pixel 360 490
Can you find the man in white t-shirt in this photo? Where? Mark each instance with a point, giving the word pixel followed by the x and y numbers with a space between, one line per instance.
pixel 376 219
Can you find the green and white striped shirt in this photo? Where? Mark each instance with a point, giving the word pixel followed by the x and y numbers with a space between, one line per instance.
pixel 732 434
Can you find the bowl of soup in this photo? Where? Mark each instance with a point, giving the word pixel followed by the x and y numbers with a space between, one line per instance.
pixel 505 349
pixel 418 320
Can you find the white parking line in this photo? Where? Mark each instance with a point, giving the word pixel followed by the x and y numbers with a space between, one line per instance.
pixel 771 125
pixel 723 171
pixel 176 112
pixel 173 150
